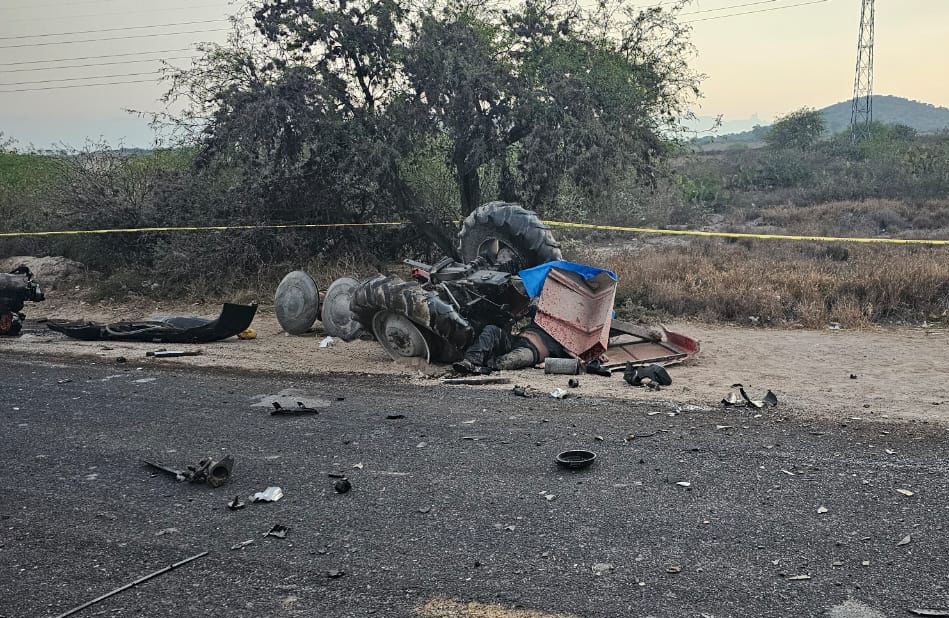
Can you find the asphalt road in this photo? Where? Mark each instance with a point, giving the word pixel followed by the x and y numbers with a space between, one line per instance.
pixel 452 503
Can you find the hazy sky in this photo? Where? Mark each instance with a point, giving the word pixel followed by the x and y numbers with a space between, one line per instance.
pixel 763 63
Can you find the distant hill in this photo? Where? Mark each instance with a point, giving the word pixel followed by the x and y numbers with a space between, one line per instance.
pixel 887 109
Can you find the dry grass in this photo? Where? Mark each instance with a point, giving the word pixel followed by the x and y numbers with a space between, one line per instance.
pixel 783 283
pixel 867 218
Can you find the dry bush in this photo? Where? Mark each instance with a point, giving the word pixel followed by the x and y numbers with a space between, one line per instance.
pixel 781 283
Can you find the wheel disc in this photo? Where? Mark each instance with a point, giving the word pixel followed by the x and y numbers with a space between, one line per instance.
pixel 297 302
pixel 338 319
pixel 400 337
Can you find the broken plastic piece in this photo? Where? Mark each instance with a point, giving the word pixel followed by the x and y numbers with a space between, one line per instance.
pixel 327 342
pixel 271 494
pixel 235 504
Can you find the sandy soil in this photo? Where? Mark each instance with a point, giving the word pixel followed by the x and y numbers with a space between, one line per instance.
pixel 901 374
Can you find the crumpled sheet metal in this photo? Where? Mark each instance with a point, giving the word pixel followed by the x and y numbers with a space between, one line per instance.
pixel 577 312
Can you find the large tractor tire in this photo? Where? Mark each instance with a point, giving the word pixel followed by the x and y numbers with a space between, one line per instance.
pixel 506 233
pixel 446 331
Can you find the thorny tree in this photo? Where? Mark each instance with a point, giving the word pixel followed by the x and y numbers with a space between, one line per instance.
pixel 315 110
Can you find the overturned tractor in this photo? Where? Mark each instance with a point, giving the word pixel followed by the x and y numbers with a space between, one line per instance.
pixel 438 312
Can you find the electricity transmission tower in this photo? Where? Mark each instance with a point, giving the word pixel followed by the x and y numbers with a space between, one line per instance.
pixel 862 111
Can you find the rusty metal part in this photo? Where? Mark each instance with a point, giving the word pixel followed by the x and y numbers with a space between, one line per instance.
pixel 577 312
pixel 673 349
pixel 214 473
pixel 562 366
pixel 140 580
pixel 649 333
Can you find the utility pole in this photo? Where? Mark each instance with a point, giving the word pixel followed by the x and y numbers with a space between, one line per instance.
pixel 862 112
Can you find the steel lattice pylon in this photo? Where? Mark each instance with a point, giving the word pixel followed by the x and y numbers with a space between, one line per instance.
pixel 862 112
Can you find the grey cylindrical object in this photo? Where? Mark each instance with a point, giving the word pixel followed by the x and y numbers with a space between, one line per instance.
pixel 562 366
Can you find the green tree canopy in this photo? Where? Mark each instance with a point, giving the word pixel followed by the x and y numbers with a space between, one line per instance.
pixel 798 130
pixel 320 106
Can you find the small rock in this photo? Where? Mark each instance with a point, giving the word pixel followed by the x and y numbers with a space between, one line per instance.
pixel 602 568
pixel 342 486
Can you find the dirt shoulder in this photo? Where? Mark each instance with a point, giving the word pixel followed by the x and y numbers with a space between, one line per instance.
pixel 901 374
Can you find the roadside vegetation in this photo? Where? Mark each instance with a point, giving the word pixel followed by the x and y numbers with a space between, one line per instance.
pixel 318 117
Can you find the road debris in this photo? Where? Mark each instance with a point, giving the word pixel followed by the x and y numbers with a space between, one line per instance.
pixel 650 376
pixel 575 459
pixel 173 353
pixel 271 494
pixel 327 342
pixel 214 473
pixel 562 366
pixel 799 578
pixel 525 391
pixel 930 612
pixel 559 393
pixel 477 381
pixel 299 410
pixel 732 399
pixel 906 540
pixel 602 568
pixel 247 334
pixel 335 573
pixel 394 417
pixel 235 504
pixel 140 580
pixel 241 545
pixel 278 530
pixel 342 486
pixel 596 368
pixel 822 509
pixel 673 568
pixel 905 492
pixel 686 484
pixel 232 320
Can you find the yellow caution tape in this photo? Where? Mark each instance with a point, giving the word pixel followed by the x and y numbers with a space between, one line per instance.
pixel 648 230
pixel 205 228
pixel 561 224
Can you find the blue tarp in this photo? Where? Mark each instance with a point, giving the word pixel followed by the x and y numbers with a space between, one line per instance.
pixel 534 278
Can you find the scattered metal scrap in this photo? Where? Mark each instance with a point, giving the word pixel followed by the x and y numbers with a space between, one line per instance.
pixel 477 381
pixel 732 399
pixel 299 410
pixel 278 530
pixel 140 580
pixel 173 353
pixel 214 473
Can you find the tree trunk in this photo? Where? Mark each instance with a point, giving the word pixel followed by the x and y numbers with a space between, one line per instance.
pixel 441 233
pixel 469 184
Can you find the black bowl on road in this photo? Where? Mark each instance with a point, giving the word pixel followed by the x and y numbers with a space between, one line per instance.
pixel 575 459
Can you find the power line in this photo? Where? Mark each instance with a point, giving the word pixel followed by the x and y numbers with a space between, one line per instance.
pixel 777 8
pixel 76 79
pixel 180 23
pixel 112 38
pixel 734 6
pixel 82 15
pixel 143 53
pixel 134 81
pixel 94 64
